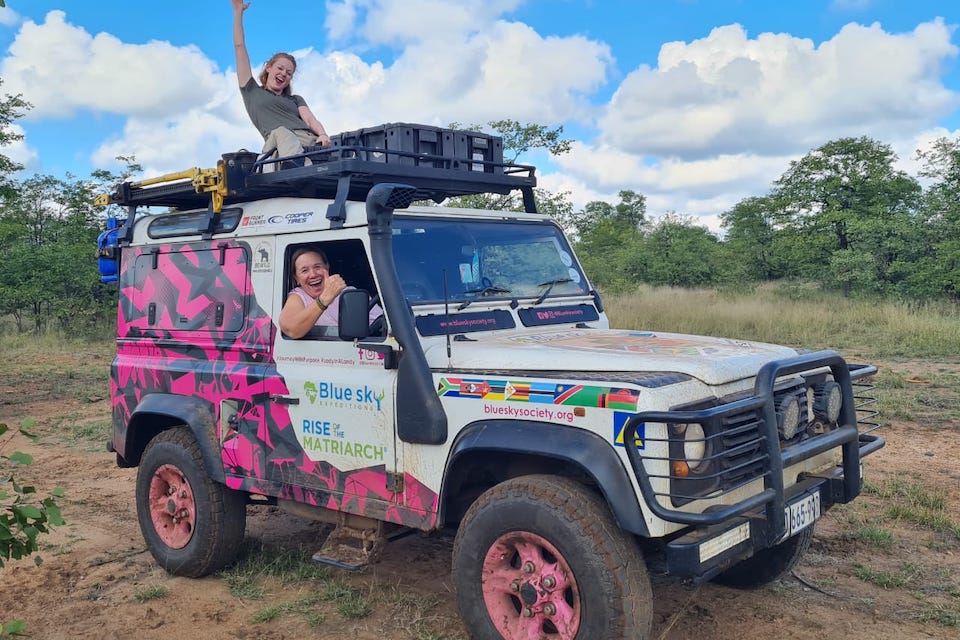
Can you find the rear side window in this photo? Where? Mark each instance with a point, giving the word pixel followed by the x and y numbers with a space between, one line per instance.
pixel 194 223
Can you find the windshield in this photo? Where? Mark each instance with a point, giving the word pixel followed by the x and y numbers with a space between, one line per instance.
pixel 481 259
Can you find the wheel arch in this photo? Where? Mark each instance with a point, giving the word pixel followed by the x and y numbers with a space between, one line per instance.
pixel 159 412
pixel 488 452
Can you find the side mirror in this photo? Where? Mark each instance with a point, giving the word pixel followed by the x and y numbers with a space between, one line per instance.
pixel 354 320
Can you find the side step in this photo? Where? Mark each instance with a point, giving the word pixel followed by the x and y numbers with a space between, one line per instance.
pixel 355 542
pixel 353 547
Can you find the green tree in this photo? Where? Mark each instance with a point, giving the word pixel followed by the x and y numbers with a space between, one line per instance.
pixel 630 213
pixel 609 237
pixel 11 109
pixel 48 275
pixel 12 232
pixel 751 241
pixel 612 255
pixel 847 196
pixel 937 272
pixel 680 253
pixel 519 139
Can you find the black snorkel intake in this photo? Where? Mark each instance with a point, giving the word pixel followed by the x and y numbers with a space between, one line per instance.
pixel 420 415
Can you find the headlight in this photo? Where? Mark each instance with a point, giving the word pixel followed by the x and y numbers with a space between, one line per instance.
pixel 694 443
pixel 827 400
pixel 788 416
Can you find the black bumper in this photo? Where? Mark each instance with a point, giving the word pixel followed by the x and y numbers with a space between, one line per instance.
pixel 724 534
pixel 704 552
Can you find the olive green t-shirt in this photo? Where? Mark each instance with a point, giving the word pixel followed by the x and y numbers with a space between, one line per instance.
pixel 268 111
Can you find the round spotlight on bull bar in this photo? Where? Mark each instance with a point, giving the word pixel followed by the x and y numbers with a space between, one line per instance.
pixel 694 445
pixel 827 401
pixel 788 416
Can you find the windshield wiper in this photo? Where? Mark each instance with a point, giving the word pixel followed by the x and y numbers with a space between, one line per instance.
pixel 483 291
pixel 549 285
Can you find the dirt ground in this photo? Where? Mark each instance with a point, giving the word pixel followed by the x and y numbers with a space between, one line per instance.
pixel 886 566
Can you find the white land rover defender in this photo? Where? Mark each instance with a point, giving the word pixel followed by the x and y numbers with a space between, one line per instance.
pixel 493 398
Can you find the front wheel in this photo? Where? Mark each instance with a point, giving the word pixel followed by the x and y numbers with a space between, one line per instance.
pixel 769 564
pixel 193 526
pixel 542 557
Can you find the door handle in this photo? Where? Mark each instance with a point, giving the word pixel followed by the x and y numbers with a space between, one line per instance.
pixel 285 399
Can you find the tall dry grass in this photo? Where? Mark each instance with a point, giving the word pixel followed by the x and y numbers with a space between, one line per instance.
pixel 795 316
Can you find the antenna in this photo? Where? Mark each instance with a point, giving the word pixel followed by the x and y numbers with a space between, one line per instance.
pixel 446 313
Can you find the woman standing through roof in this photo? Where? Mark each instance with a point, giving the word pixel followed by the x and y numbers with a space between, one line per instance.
pixel 282 117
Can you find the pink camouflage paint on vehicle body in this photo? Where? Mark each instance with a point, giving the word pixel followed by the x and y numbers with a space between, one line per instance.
pixel 261 456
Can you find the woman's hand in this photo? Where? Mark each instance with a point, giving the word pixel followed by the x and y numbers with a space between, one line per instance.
pixel 333 286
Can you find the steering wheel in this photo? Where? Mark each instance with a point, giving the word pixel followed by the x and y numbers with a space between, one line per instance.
pixel 379 326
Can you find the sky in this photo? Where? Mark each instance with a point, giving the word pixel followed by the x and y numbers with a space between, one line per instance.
pixel 696 104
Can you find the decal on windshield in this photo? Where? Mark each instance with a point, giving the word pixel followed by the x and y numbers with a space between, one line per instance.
pixel 440 324
pixel 537 316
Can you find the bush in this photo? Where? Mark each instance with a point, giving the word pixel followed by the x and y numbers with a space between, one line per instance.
pixel 22 519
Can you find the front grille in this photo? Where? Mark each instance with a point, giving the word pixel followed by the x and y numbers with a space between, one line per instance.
pixel 740 440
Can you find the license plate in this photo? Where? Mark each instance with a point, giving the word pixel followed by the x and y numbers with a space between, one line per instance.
pixel 801 514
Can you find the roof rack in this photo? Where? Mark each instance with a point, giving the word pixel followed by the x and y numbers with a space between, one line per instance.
pixel 340 172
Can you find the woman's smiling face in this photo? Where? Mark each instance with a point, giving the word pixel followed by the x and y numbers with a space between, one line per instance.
pixel 310 270
pixel 279 74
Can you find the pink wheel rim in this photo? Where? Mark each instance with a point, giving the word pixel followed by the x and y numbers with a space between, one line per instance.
pixel 529 589
pixel 172 507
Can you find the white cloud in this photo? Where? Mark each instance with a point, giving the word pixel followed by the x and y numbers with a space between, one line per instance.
pixel 907 148
pixel 727 94
pixel 61 69
pixel 8 17
pixel 613 169
pixel 188 136
pixel 457 62
pixel 19 151
pixel 702 188
pixel 180 107
pixel 507 70
pixel 403 22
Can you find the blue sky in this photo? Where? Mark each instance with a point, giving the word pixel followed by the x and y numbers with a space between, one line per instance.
pixel 694 103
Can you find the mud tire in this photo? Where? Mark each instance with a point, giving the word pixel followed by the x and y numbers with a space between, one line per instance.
pixel 608 590
pixel 210 537
pixel 768 565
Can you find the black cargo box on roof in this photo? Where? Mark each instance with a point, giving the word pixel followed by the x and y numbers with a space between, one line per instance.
pixel 424 146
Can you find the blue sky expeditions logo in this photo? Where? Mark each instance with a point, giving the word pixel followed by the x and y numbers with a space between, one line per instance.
pixel 329 394
pixel 323 437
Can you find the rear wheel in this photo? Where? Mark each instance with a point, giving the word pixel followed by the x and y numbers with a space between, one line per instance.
pixel 192 525
pixel 542 557
pixel 769 564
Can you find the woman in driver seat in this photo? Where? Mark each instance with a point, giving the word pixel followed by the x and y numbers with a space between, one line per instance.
pixel 315 301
